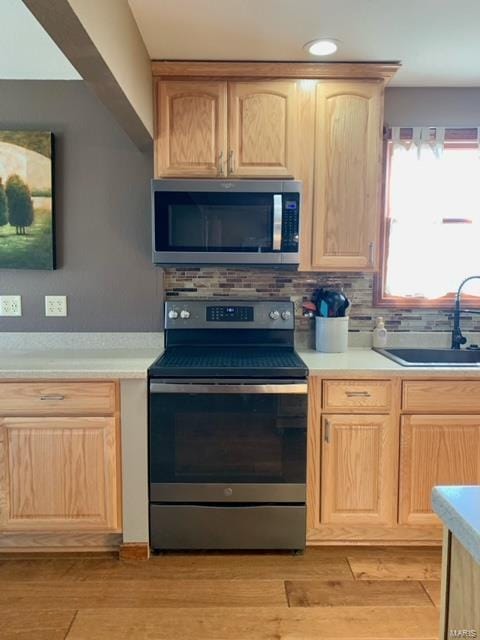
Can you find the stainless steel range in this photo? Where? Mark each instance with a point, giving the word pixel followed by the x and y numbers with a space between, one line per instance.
pixel 228 423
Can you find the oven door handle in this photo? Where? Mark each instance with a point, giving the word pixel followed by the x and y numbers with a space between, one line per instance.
pixel 214 389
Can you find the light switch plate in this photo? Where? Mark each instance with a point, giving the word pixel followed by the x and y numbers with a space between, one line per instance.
pixel 56 306
pixel 10 305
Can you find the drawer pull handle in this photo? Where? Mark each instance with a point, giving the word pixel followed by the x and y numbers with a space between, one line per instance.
pixel 358 394
pixel 52 397
pixel 327 431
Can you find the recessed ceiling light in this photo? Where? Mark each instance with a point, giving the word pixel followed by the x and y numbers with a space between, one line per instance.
pixel 324 47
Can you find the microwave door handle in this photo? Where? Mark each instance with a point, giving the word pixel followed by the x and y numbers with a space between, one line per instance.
pixel 277 222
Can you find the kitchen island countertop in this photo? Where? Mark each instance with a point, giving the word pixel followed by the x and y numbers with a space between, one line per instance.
pixel 458 507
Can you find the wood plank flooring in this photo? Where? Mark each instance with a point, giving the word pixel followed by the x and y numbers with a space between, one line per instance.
pixel 336 592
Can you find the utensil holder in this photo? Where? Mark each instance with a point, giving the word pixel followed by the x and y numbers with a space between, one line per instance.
pixel 331 334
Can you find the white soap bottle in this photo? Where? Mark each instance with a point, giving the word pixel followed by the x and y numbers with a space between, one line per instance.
pixel 379 334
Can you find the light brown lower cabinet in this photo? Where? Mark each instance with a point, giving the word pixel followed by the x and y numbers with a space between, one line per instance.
pixel 59 474
pixel 435 450
pixel 60 483
pixel 376 449
pixel 358 469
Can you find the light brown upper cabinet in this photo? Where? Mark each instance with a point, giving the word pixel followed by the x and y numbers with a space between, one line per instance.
pixel 202 133
pixel 347 177
pixel 191 136
pixel 261 128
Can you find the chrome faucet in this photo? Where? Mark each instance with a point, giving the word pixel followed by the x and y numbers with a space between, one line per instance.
pixel 457 337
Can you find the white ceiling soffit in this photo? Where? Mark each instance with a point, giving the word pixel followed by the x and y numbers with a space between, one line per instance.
pixel 437 41
pixel 26 50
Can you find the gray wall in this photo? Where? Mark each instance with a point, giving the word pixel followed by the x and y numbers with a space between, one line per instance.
pixel 102 189
pixel 417 106
pixel 103 216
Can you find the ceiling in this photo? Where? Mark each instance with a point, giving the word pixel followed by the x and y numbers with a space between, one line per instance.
pixel 437 41
pixel 26 50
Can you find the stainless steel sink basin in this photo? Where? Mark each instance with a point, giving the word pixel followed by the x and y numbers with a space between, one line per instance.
pixel 432 357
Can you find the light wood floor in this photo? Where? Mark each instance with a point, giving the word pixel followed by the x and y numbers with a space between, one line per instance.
pixel 346 593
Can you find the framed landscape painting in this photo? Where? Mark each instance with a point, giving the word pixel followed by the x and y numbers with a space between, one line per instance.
pixel 27 238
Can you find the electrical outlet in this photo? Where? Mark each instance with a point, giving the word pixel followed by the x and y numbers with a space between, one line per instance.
pixel 56 305
pixel 10 305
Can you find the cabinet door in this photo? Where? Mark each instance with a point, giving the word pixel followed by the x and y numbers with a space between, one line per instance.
pixel 191 128
pixel 58 474
pixel 348 144
pixel 435 450
pixel 358 470
pixel 262 128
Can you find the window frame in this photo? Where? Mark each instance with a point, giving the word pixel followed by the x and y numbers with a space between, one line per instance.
pixel 454 138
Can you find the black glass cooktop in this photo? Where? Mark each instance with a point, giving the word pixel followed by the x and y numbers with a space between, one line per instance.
pixel 258 362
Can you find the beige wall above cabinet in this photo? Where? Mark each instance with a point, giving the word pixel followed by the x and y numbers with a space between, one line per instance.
pixel 196 137
pixel 347 177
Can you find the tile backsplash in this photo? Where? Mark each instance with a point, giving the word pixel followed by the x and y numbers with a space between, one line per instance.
pixel 225 282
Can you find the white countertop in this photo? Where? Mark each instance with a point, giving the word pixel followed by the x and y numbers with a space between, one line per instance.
pixel 77 363
pixel 459 510
pixel 132 362
pixel 367 361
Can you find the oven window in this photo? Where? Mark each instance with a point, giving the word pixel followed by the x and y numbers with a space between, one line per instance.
pixel 228 438
pixel 213 221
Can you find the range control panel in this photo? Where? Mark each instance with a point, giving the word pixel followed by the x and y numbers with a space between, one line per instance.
pixel 221 313
pixel 238 314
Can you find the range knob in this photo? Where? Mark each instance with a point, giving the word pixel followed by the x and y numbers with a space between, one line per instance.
pixel 172 314
pixel 184 314
pixel 274 315
pixel 286 315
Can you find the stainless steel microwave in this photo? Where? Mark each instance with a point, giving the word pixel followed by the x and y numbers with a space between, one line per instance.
pixel 244 222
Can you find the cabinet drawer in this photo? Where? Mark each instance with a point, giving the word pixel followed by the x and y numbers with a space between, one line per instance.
pixel 441 396
pixel 57 398
pixel 360 395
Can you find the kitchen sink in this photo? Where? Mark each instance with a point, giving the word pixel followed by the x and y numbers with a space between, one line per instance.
pixel 432 357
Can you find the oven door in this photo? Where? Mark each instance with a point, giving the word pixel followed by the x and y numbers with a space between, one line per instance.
pixel 232 441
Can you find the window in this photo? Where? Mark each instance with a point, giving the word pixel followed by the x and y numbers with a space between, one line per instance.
pixel 431 228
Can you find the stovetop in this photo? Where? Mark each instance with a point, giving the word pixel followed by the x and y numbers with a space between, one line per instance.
pixel 234 362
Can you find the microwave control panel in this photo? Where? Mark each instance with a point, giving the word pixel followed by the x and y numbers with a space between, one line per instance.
pixel 290 224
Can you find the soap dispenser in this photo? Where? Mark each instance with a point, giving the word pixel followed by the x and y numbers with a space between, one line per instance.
pixel 379 334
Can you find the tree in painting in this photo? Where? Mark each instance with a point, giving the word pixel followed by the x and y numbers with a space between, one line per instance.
pixel 3 206
pixel 20 205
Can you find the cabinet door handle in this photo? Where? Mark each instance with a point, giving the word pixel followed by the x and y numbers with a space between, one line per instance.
pixel 326 434
pixel 358 394
pixel 371 253
pixel 221 167
pixel 231 161
pixel 52 397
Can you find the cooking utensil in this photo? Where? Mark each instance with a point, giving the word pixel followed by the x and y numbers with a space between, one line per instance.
pixel 330 303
